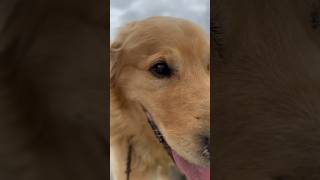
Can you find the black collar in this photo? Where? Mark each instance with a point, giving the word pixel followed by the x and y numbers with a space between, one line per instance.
pixel 157 132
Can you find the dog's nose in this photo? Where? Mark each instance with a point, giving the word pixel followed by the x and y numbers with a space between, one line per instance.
pixel 205 143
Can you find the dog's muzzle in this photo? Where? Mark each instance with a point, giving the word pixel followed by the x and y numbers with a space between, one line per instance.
pixel 192 172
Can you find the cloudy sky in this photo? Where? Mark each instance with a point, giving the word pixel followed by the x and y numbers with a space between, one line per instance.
pixel 123 11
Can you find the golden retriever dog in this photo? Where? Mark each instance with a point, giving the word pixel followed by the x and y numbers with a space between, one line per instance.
pixel 160 100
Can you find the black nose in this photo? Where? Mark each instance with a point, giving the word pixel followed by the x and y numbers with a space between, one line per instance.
pixel 205 143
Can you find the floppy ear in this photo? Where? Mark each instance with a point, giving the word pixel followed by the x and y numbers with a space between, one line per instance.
pixel 116 48
pixel 114 56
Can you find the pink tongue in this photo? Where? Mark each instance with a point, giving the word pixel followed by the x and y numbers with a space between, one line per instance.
pixel 193 172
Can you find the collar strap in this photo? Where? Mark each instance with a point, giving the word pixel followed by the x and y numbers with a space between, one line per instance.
pixel 157 133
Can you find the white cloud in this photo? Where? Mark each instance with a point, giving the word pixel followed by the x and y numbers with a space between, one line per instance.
pixel 123 11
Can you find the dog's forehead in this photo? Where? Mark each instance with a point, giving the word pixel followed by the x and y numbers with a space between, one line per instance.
pixel 170 25
pixel 168 30
pixel 174 38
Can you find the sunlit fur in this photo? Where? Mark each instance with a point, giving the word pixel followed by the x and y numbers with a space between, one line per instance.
pixel 180 105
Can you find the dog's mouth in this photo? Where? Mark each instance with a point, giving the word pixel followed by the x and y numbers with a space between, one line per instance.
pixel 192 171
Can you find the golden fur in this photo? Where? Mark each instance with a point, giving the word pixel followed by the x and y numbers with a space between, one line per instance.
pixel 180 105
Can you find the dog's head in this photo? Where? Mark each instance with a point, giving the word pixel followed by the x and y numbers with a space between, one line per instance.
pixel 162 63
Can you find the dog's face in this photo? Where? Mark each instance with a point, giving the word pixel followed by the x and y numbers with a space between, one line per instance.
pixel 162 64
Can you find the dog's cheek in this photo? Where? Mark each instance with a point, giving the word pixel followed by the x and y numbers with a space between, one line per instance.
pixel 131 85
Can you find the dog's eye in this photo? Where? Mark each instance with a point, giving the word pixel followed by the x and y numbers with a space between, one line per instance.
pixel 161 70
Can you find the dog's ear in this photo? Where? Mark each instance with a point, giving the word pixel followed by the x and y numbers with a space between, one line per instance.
pixel 116 49
pixel 114 56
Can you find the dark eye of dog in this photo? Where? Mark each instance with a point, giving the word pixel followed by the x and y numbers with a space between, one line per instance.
pixel 161 70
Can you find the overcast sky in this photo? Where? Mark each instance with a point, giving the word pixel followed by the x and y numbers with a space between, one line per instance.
pixel 123 11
